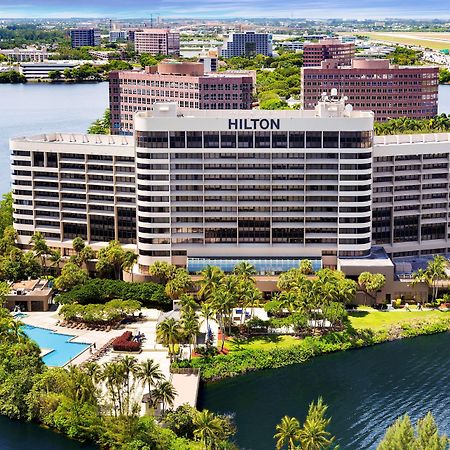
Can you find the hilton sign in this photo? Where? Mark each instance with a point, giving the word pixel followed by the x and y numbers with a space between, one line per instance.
pixel 253 124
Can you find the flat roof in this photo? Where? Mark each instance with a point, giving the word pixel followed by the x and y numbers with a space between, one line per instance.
pixel 78 138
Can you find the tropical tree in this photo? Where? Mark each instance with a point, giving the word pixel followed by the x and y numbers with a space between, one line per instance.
pixel 110 260
pixel 208 428
pixel 207 311
pixel 402 436
pixel 191 329
pixel 306 267
pixel 129 260
pixel 432 275
pixel 178 284
pixel 55 258
pixel 71 275
pixel 314 435
pixel 162 270
pixel 149 373
pixel 244 270
pixel 165 393
pixel 287 433
pixel 211 277
pixel 169 333
pixel 40 248
pixel 371 282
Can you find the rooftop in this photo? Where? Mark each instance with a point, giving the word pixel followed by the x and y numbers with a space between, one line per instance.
pixel 78 138
pixel 423 138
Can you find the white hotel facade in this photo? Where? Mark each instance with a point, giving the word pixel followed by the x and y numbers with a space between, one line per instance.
pixel 261 185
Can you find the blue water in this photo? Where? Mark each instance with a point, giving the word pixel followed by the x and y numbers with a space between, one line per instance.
pixel 33 108
pixel 62 349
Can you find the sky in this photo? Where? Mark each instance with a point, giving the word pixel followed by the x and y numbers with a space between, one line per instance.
pixel 359 9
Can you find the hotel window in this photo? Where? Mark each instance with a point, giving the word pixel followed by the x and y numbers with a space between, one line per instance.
pixel 313 139
pixel 177 139
pixel 279 139
pixel 245 139
pixel 296 139
pixel 211 139
pixel 194 139
pixel 228 139
pixel 262 139
pixel 330 139
pixel 152 139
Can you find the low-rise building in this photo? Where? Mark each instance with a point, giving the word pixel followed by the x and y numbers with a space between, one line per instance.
pixel 389 90
pixel 29 295
pixel 36 71
pixel 25 54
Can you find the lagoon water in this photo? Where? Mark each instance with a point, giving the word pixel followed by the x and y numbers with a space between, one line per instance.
pixel 366 390
pixel 33 108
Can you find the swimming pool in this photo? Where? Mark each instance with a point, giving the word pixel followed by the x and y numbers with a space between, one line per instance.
pixel 61 349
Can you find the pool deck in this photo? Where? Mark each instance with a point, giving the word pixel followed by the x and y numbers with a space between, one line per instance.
pixel 185 385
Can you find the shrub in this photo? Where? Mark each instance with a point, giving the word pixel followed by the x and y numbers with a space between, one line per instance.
pixel 103 290
pixel 124 343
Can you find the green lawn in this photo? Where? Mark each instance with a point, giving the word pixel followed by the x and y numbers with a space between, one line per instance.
pixel 365 317
pixel 377 320
pixel 261 343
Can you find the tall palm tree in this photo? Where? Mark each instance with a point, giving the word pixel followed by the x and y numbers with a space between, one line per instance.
pixel 93 370
pixel 180 283
pixel 191 329
pixel 210 281
pixel 129 260
pixel 187 303
pixel 40 248
pixel 128 364
pixel 149 373
pixel 55 258
pixel 168 332
pixel 207 311
pixel 287 433
pixel 165 393
pixel 207 428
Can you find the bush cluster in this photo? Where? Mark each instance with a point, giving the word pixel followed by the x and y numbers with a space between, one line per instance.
pixel 98 290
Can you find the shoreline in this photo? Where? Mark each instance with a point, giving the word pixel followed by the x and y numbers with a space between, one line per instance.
pixel 236 363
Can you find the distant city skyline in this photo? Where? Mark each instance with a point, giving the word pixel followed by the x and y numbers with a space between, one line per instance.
pixel 351 9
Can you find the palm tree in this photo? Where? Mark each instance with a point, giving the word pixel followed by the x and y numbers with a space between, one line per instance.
pixel 313 435
pixel 207 428
pixel 210 281
pixel 128 262
pixel 78 244
pixel 40 248
pixel 128 364
pixel 180 283
pixel 165 393
pixel 55 258
pixel 93 370
pixel 287 433
pixel 168 332
pixel 206 311
pixel 187 303
pixel 149 372
pixel 245 270
pixel 191 329
pixel 162 270
pixel 435 272
pixel 306 267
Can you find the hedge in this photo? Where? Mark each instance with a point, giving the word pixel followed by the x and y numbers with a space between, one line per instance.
pixel 99 290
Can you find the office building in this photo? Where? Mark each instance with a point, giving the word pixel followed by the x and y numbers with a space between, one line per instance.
pixel 316 52
pixel 155 41
pixel 184 83
pixel 41 70
pixel 272 187
pixel 390 91
pixel 247 44
pixel 85 37
pixel 29 54
pixel 118 35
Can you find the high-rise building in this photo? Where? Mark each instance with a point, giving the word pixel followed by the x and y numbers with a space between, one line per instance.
pixel 156 41
pixel 197 187
pixel 316 52
pixel 85 37
pixel 184 83
pixel 390 91
pixel 247 44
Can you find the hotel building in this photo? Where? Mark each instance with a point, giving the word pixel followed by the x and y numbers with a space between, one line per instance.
pixel 390 91
pixel 85 37
pixel 316 52
pixel 185 83
pixel 155 41
pixel 271 187
pixel 247 44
